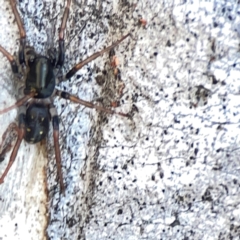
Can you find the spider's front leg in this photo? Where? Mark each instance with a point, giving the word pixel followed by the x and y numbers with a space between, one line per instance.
pixel 10 58
pixel 22 32
pixel 61 47
pixel 78 66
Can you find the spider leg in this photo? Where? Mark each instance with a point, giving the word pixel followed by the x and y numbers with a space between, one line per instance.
pixel 19 103
pixel 9 136
pixel 75 99
pixel 10 59
pixel 92 57
pixel 61 48
pixel 55 123
pixel 22 32
pixel 21 133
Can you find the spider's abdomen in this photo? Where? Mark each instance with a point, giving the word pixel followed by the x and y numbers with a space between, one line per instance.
pixel 40 77
pixel 37 123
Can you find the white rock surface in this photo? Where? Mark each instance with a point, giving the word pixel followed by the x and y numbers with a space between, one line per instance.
pixel 169 172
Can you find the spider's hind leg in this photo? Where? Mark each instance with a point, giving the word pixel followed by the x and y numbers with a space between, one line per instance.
pixel 8 139
pixel 55 124
pixel 21 133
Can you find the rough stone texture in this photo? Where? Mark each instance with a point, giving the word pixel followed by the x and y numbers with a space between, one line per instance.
pixel 168 172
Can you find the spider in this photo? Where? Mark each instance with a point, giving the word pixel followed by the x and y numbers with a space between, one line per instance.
pixel 36 107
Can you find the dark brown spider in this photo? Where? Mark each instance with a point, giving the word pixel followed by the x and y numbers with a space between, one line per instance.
pixel 37 107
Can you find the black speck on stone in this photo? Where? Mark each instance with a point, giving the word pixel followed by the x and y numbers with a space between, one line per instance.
pixel 155 54
pixel 214 80
pixel 223 83
pixel 207 196
pixel 124 166
pixel 176 121
pixel 120 211
pixel 168 43
pixel 195 151
pixel 215 24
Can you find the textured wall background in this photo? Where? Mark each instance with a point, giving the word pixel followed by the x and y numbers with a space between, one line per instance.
pixel 171 170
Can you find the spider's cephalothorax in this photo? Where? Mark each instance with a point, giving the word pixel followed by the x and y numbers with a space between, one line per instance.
pixel 40 77
pixel 37 109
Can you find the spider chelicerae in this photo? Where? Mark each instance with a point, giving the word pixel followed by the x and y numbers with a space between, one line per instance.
pixel 36 107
